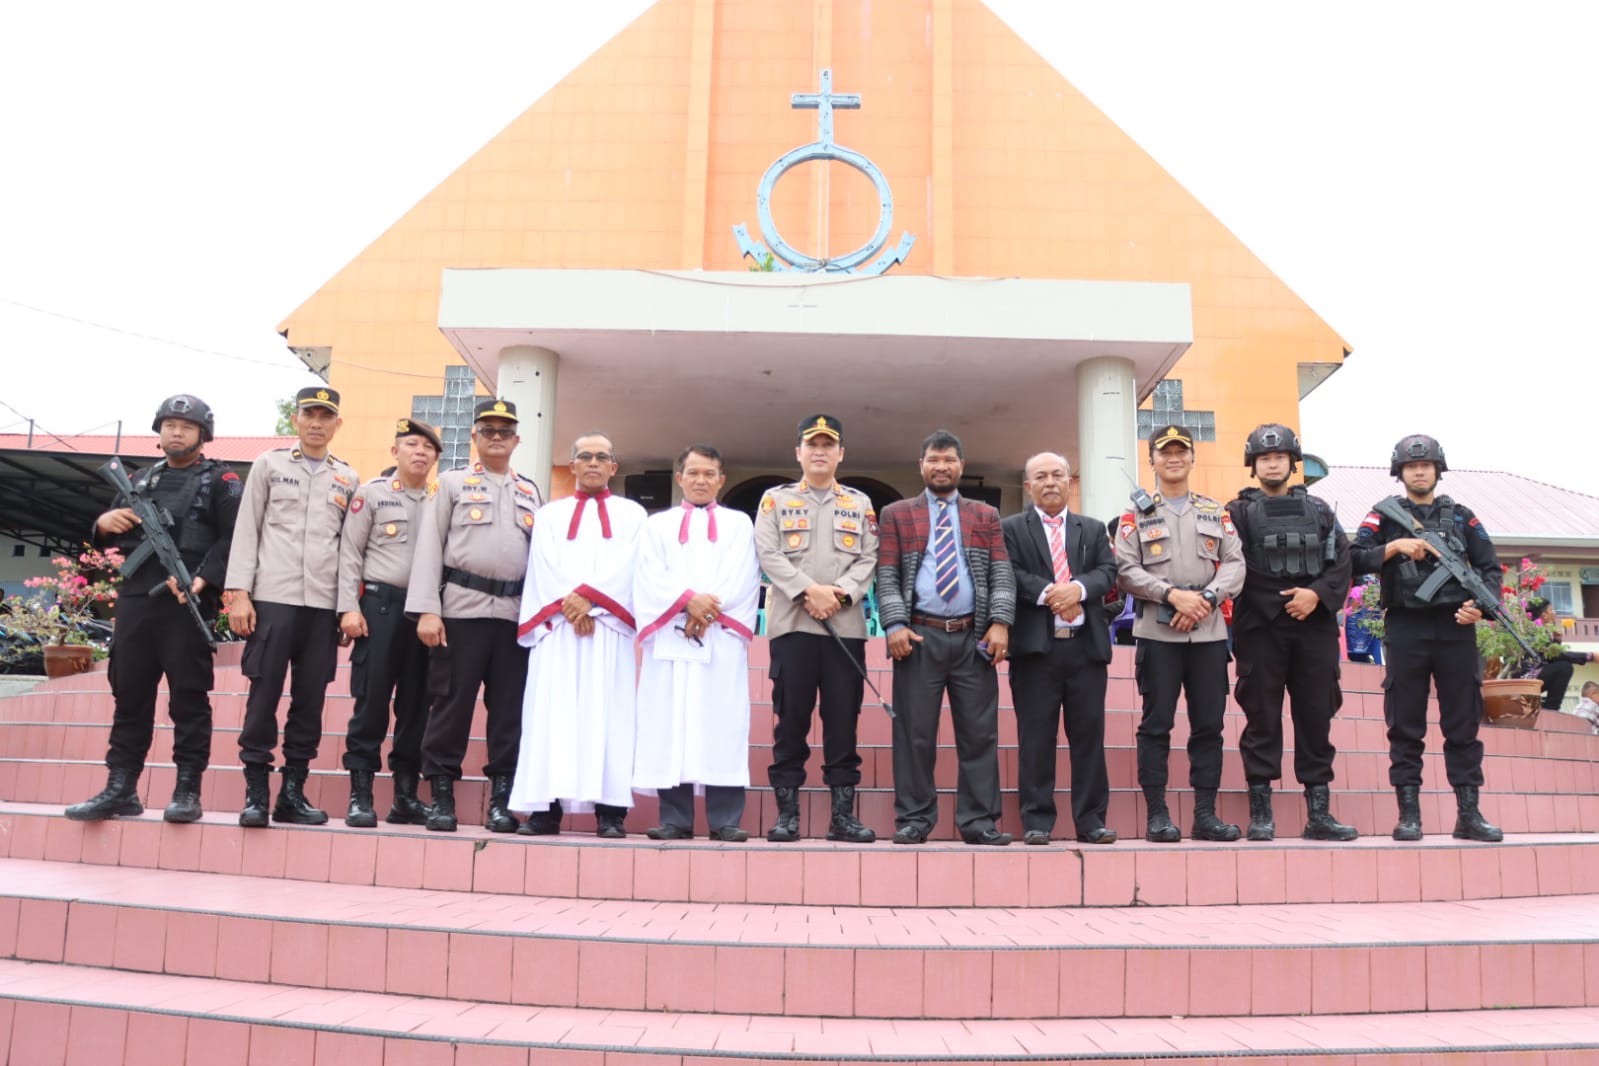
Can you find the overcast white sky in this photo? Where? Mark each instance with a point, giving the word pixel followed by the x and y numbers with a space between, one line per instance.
pixel 1422 174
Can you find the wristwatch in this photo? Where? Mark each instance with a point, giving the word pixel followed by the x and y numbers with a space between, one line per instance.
pixel 1165 597
pixel 1209 597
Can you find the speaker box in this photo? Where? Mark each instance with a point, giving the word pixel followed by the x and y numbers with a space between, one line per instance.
pixel 651 490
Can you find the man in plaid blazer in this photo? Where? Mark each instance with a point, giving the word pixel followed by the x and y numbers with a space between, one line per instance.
pixel 943 580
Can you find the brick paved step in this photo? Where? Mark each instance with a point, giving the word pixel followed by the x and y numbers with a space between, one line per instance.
pixel 1536 809
pixel 51 1013
pixel 820 873
pixel 919 962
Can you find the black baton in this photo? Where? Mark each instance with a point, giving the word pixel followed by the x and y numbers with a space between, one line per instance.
pixel 827 624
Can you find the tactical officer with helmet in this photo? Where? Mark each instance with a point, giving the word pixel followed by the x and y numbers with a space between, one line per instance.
pixel 1179 555
pixel 387 661
pixel 283 581
pixel 1429 638
pixel 155 635
pixel 1285 631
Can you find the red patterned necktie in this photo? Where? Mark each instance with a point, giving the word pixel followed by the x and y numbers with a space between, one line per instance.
pixel 577 513
pixel 710 521
pixel 1057 548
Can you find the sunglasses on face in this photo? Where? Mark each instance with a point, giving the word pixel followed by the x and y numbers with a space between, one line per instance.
pixel 585 457
pixel 496 432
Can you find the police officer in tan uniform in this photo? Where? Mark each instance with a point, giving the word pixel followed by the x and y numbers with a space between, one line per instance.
pixel 283 587
pixel 1180 557
pixel 387 660
pixel 817 543
pixel 466 591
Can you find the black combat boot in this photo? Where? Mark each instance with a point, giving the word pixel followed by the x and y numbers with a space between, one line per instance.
pixel 361 815
pixel 1320 824
pixel 1469 822
pixel 786 828
pixel 1262 824
pixel 609 824
pixel 257 796
pixel 1409 827
pixel 406 808
pixel 119 799
pixel 291 807
pixel 441 817
pixel 500 819
pixel 185 805
pixel 1206 825
pixel 1159 828
pixel 844 825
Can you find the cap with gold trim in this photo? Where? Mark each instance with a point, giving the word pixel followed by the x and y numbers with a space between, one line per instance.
pixel 494 408
pixel 317 396
pixel 1169 434
pixel 821 426
pixel 411 427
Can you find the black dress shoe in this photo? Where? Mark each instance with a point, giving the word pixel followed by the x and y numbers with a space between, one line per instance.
pixel 910 834
pixel 1036 836
pixel 1101 835
pixel 732 834
pixel 609 827
pixel 988 837
pixel 669 832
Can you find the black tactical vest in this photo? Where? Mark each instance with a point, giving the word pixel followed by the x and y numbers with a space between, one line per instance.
pixel 1412 574
pixel 185 495
pixel 1285 534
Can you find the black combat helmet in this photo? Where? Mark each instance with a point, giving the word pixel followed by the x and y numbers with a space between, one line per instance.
pixel 1271 437
pixel 190 409
pixel 1417 448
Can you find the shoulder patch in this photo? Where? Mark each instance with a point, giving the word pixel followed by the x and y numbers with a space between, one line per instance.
pixel 768 504
pixel 1227 523
pixel 1372 521
pixel 433 489
pixel 357 503
pixel 231 481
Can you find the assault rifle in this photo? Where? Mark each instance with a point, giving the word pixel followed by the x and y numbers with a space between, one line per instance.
pixel 153 524
pixel 1452 565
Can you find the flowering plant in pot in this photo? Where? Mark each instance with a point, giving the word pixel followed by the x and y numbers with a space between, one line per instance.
pixel 62 611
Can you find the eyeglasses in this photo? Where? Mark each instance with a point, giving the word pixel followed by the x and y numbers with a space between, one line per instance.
pixel 698 643
pixel 586 457
pixel 496 432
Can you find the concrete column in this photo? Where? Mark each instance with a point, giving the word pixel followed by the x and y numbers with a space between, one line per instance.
pixel 527 378
pixel 1107 432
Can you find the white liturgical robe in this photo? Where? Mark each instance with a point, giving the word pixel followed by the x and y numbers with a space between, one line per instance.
pixel 577 710
pixel 694 699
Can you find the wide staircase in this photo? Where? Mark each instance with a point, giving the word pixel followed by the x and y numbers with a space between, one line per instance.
pixel 134 941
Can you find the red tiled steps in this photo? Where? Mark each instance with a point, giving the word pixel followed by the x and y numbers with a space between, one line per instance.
pixel 944 963
pixel 815 872
pixel 57 783
pixel 52 1013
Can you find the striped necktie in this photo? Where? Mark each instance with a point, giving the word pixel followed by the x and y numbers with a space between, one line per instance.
pixel 946 574
pixel 1057 548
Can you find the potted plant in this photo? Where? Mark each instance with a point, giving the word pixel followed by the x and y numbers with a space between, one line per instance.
pixel 1511 688
pixel 60 615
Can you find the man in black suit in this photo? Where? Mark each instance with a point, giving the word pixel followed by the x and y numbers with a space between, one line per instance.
pixel 1060 648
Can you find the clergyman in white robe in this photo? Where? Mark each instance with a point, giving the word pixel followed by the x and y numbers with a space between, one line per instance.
pixel 694 693
pixel 578 709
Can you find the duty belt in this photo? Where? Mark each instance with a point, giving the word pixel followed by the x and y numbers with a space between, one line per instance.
pixel 948 625
pixel 478 583
pixel 382 592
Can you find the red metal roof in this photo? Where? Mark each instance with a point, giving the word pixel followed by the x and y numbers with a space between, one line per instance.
pixel 141 445
pixel 1510 506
